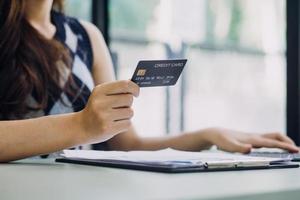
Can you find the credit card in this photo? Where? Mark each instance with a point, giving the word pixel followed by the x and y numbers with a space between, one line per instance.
pixel 153 73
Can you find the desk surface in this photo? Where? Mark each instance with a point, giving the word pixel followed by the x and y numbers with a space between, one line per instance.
pixel 45 179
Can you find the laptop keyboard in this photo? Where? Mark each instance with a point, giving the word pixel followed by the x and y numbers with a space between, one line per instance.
pixel 294 156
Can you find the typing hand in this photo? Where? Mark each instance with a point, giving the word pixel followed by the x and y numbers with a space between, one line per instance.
pixel 234 141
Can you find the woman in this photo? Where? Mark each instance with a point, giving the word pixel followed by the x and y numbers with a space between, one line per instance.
pixel 50 63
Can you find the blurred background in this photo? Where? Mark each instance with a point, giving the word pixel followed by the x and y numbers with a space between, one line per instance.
pixel 236 71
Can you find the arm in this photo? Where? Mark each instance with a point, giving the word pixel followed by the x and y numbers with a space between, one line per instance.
pixel 228 140
pixel 107 113
pixel 23 138
pixel 224 139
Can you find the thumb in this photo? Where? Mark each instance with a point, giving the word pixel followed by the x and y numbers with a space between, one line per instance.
pixel 241 147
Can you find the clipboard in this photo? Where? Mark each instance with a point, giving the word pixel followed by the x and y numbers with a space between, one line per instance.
pixel 172 167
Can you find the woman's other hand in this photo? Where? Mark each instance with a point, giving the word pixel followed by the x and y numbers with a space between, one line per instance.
pixel 234 141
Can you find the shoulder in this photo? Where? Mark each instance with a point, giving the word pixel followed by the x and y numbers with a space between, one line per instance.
pixel 96 38
pixel 103 67
pixel 91 28
pixel 78 25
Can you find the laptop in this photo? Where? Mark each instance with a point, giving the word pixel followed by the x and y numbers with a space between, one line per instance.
pixel 294 157
pixel 173 161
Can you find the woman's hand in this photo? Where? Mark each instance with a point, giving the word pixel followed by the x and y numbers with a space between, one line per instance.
pixel 233 141
pixel 108 111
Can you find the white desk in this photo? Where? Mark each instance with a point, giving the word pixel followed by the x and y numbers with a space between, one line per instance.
pixel 45 179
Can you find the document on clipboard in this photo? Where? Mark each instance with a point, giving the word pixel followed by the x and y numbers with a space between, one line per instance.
pixel 172 161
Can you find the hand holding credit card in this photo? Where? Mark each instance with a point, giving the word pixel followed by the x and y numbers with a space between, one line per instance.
pixel 152 73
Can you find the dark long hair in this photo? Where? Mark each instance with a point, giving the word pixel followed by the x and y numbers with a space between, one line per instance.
pixel 28 62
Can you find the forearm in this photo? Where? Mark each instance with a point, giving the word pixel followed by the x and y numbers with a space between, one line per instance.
pixel 193 141
pixel 25 138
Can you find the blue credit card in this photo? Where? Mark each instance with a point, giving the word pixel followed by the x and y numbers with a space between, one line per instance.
pixel 152 73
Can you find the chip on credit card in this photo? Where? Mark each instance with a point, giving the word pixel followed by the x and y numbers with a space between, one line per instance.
pixel 152 73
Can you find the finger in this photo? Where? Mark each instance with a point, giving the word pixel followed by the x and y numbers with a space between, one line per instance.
pixel 122 100
pixel 271 143
pixel 122 114
pixel 241 147
pixel 121 87
pixel 236 146
pixel 121 126
pixel 278 136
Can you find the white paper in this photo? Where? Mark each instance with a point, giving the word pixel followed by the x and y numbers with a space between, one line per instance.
pixel 171 155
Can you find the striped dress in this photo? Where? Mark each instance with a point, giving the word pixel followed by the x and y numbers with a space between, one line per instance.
pixel 73 36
